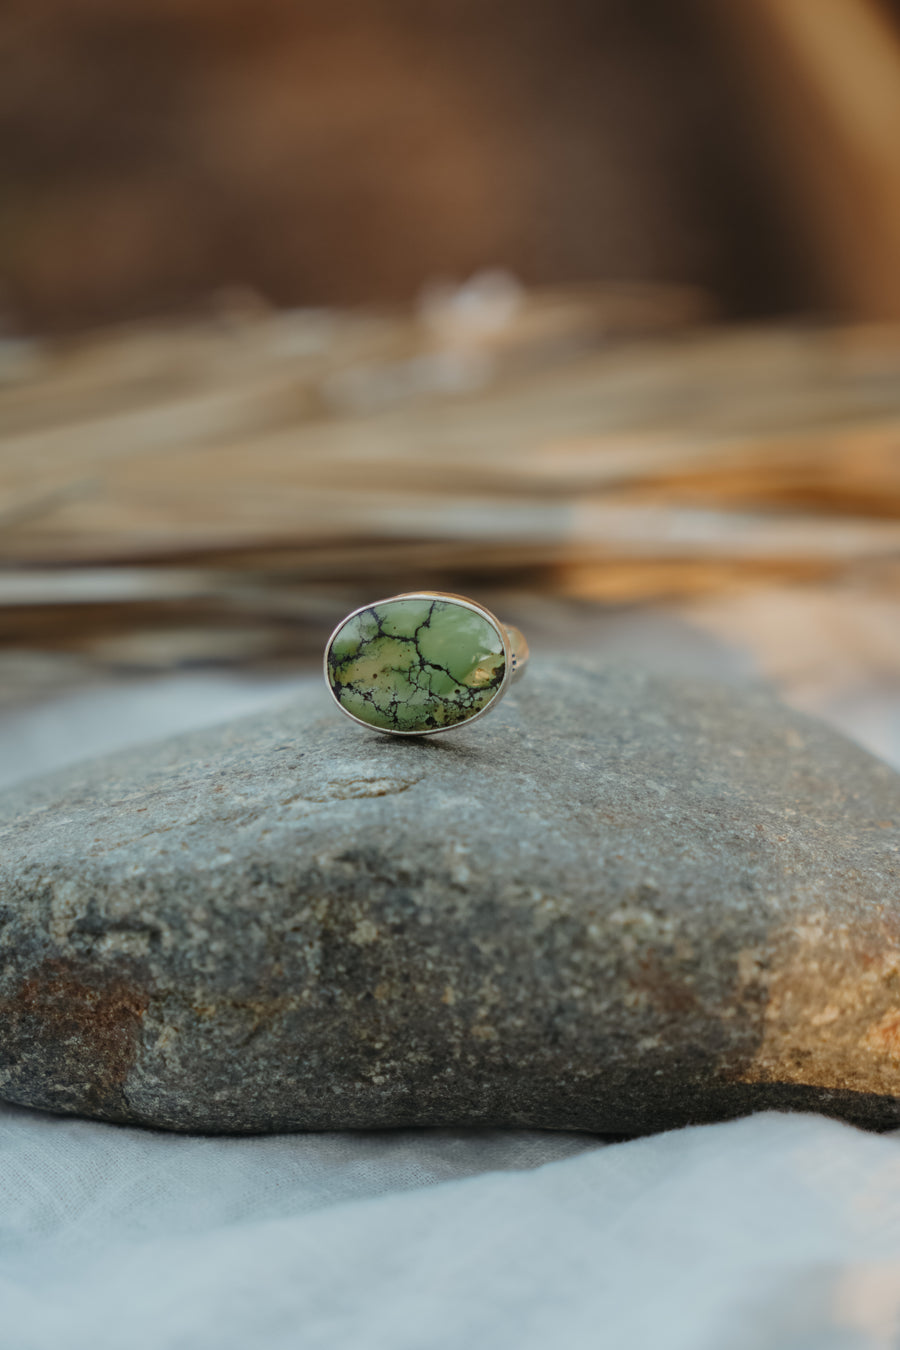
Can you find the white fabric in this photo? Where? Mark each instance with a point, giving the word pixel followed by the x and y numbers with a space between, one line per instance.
pixel 772 1233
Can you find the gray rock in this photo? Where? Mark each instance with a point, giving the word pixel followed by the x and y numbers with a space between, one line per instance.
pixel 620 902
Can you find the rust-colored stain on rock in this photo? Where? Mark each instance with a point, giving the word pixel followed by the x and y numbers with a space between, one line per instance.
pixel 75 1028
pixel 667 989
pixel 884 1036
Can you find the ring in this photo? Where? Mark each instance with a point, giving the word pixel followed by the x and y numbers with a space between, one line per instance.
pixel 420 663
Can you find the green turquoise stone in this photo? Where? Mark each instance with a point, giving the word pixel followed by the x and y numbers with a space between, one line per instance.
pixel 416 665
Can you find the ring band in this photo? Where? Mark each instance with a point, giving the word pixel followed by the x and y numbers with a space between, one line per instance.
pixel 421 663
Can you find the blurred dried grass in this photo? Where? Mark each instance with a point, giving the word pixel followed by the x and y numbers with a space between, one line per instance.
pixel 222 490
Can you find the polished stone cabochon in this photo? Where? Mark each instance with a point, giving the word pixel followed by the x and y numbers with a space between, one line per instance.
pixel 416 665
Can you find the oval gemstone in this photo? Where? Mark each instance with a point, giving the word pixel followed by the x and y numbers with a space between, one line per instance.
pixel 416 665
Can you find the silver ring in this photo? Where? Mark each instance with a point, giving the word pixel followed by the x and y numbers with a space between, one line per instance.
pixel 422 663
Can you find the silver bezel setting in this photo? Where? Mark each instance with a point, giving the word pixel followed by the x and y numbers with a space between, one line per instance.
pixel 509 658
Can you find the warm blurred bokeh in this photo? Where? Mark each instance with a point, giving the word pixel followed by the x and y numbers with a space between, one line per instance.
pixel 589 308
pixel 335 154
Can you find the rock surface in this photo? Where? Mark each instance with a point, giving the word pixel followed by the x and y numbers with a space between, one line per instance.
pixel 619 903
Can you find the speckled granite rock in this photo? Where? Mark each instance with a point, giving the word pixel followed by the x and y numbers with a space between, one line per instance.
pixel 619 903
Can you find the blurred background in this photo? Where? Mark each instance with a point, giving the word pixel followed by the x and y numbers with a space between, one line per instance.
pixel 589 309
